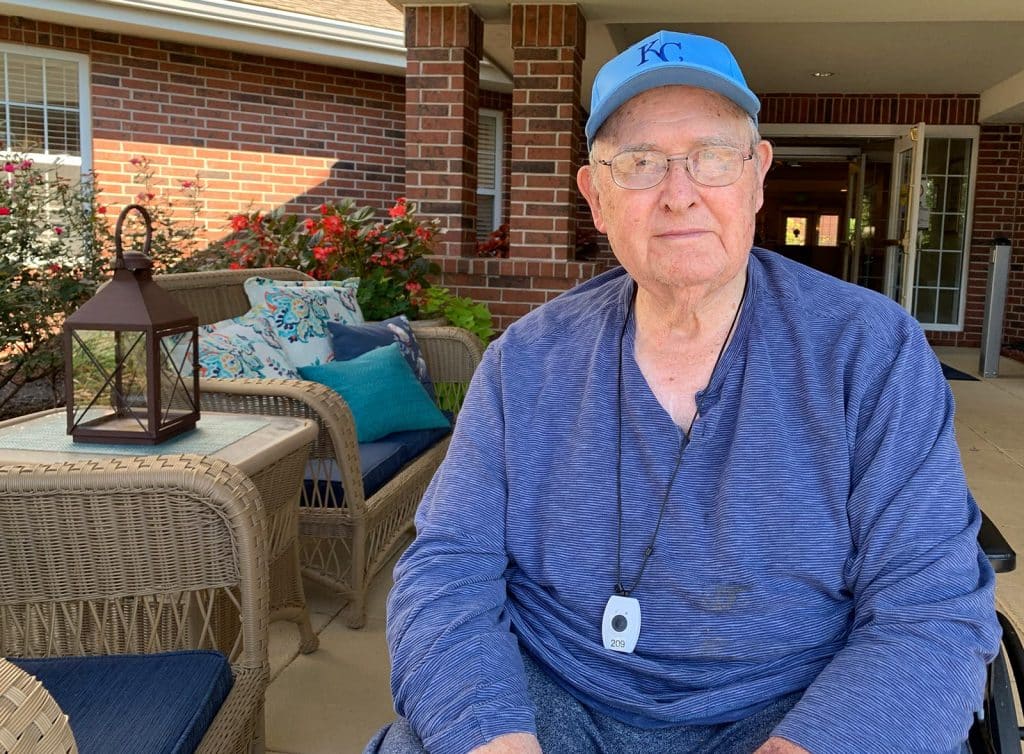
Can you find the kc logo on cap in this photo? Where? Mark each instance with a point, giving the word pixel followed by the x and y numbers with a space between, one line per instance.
pixel 658 50
pixel 664 59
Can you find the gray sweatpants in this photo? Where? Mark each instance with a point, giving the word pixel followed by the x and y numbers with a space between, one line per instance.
pixel 564 726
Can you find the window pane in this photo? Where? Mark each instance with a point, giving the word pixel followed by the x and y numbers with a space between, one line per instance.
pixel 62 135
pixel 959 156
pixel 41 104
pixel 952 232
pixel 485 213
pixel 950 275
pixel 948 307
pixel 61 83
pixel 935 152
pixel 924 308
pixel 26 124
pixel 828 230
pixel 796 231
pixel 25 79
pixel 487 168
pixel 928 273
pixel 956 195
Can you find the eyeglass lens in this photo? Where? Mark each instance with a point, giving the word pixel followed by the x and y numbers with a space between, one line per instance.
pixel 708 166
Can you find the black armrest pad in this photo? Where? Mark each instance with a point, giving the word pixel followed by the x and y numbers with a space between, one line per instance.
pixel 996 548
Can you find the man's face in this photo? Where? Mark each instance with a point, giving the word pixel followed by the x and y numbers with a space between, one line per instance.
pixel 679 233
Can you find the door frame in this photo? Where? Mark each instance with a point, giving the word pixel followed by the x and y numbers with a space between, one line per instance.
pixel 893 131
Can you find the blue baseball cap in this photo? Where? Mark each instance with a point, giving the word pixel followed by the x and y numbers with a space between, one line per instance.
pixel 663 59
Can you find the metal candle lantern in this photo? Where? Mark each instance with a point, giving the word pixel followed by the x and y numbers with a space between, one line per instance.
pixel 131 356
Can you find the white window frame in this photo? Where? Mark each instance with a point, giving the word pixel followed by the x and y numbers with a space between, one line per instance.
pixel 84 160
pixel 497 191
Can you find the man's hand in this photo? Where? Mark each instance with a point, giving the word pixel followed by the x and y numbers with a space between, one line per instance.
pixel 775 745
pixel 512 743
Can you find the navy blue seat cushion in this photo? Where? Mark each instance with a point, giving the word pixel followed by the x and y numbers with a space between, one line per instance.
pixel 379 460
pixel 149 704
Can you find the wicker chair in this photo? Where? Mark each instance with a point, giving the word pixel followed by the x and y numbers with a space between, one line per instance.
pixel 140 555
pixel 342 546
pixel 31 722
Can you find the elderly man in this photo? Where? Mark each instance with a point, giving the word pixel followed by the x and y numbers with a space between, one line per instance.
pixel 707 502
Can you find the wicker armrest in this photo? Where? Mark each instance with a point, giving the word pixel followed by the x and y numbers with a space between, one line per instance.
pixel 452 356
pixel 302 398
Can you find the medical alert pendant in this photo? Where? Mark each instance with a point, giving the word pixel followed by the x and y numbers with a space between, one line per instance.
pixel 620 626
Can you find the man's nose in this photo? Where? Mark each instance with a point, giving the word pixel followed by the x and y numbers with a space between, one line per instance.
pixel 678 186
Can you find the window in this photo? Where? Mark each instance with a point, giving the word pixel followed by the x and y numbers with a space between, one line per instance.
pixel 44 100
pixel 942 235
pixel 828 230
pixel 489 161
pixel 796 231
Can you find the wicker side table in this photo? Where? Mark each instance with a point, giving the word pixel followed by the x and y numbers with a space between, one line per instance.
pixel 272 451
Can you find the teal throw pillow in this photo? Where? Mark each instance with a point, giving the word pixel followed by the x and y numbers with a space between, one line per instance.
pixel 381 390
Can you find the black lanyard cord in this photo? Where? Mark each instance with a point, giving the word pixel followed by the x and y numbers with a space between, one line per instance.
pixel 620 589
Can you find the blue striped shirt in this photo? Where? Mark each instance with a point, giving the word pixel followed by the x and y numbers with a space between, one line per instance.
pixel 819 534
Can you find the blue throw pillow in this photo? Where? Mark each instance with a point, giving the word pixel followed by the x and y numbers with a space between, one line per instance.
pixel 351 340
pixel 382 392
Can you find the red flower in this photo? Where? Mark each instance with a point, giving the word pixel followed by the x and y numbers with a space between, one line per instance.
pixel 324 209
pixel 321 253
pixel 9 167
pixel 187 184
pixel 310 225
pixel 55 268
pixel 413 287
pixel 423 233
pixel 239 222
pixel 26 164
pixel 332 223
pixel 136 161
pixel 234 266
pixel 58 230
pixel 101 210
pixel 5 210
pixel 399 210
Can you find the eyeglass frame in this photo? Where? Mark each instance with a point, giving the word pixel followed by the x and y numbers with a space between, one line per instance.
pixel 686 162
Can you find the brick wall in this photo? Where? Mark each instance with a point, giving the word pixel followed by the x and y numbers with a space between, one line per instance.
pixel 272 132
pixel 999 212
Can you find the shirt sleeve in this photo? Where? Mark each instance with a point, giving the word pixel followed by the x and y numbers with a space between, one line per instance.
pixel 913 669
pixel 457 674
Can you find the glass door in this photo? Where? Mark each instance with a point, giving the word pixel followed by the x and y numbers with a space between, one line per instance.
pixel 901 249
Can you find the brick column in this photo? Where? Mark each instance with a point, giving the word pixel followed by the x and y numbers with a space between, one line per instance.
pixel 444 44
pixel 548 43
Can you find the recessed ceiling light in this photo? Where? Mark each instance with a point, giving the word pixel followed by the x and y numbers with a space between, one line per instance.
pixel 823 74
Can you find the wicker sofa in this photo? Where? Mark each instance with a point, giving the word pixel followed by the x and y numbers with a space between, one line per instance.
pixel 343 543
pixel 125 580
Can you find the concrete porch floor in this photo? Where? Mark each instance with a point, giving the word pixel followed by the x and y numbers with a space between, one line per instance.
pixel 333 700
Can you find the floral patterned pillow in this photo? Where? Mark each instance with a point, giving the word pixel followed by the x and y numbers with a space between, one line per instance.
pixel 299 310
pixel 244 346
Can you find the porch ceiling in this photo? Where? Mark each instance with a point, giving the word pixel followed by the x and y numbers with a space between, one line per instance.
pixel 880 46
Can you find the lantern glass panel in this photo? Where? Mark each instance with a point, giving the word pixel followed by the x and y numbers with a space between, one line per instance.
pixel 109 379
pixel 177 386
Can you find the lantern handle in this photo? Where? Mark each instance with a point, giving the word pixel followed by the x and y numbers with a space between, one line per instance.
pixel 118 251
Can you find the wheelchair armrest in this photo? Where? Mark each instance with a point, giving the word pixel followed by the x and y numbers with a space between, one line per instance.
pixel 996 548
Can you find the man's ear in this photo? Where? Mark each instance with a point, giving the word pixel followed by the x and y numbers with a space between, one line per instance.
pixel 585 182
pixel 765 155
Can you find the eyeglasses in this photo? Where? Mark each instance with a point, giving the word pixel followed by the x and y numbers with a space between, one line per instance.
pixel 709 166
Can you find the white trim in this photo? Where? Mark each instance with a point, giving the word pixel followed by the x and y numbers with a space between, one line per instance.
pixel 84 102
pixel 234 25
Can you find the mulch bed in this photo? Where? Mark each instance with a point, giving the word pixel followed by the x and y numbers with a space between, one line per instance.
pixel 1015 352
